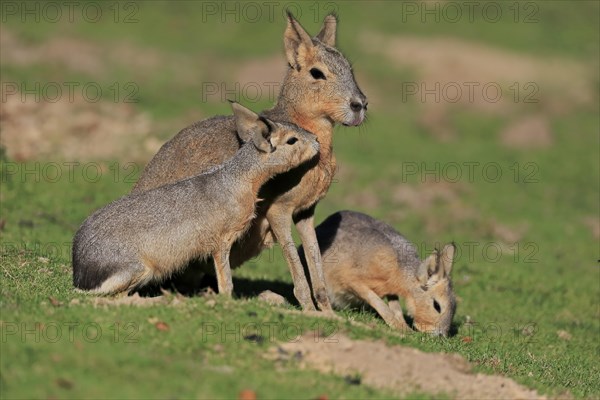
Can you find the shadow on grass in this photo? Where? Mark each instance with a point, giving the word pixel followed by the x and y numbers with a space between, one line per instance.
pixel 453 331
pixel 197 286
pixel 191 285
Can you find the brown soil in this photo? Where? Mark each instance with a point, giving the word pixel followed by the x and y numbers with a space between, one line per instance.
pixel 402 370
pixel 593 223
pixel 427 194
pixel 77 129
pixel 432 195
pixel 362 199
pixel 92 58
pixel 136 300
pixel 447 199
pixel 454 60
pixel 74 130
pixel 267 73
pixel 529 132
pixel 563 84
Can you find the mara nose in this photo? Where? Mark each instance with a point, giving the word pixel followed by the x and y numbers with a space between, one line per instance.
pixel 356 106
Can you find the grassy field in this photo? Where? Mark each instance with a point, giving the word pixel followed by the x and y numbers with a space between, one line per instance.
pixel 513 180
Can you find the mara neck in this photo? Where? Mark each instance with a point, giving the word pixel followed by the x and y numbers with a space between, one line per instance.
pixel 401 282
pixel 322 127
pixel 248 167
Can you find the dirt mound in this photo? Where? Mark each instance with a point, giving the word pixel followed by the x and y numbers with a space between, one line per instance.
pixel 74 130
pixel 429 195
pixel 70 126
pixel 593 223
pixel 267 73
pixel 426 195
pixel 442 60
pixel 135 300
pixel 530 132
pixel 403 370
pixel 441 205
pixel 69 122
pixel 92 58
pixel 467 75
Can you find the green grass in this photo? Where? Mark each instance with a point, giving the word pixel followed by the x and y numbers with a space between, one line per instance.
pixel 512 308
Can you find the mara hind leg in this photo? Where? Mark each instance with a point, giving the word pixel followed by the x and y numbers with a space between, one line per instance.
pixel 223 271
pixel 252 243
pixel 312 253
pixel 132 276
pixel 281 225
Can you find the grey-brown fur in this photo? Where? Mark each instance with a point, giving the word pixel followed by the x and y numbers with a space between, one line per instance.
pixel 146 237
pixel 365 259
pixel 212 141
pixel 307 101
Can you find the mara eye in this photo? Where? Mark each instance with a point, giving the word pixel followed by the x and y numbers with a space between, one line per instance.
pixel 437 307
pixel 292 140
pixel 317 73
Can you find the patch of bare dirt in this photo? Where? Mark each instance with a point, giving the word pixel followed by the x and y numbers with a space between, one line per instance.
pixel 426 195
pixel 400 369
pixel 435 118
pixel 60 51
pixel 593 223
pixel 90 58
pixel 558 85
pixel 80 130
pixel 264 72
pixel 564 335
pixel 272 298
pixel 136 300
pixel 74 130
pixel 440 205
pixel 454 60
pixel 529 132
pixel 507 234
pixel 434 195
pixel 362 199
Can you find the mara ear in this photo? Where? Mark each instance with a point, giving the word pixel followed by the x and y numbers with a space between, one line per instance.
pixel 428 267
pixel 328 31
pixel 262 141
pixel 447 259
pixel 297 43
pixel 249 124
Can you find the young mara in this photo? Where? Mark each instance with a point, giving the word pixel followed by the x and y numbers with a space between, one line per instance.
pixel 366 259
pixel 148 236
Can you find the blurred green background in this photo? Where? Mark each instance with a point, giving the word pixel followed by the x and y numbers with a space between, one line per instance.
pixel 483 128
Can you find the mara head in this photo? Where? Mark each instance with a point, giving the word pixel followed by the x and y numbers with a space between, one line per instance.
pixel 281 145
pixel 432 302
pixel 320 83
